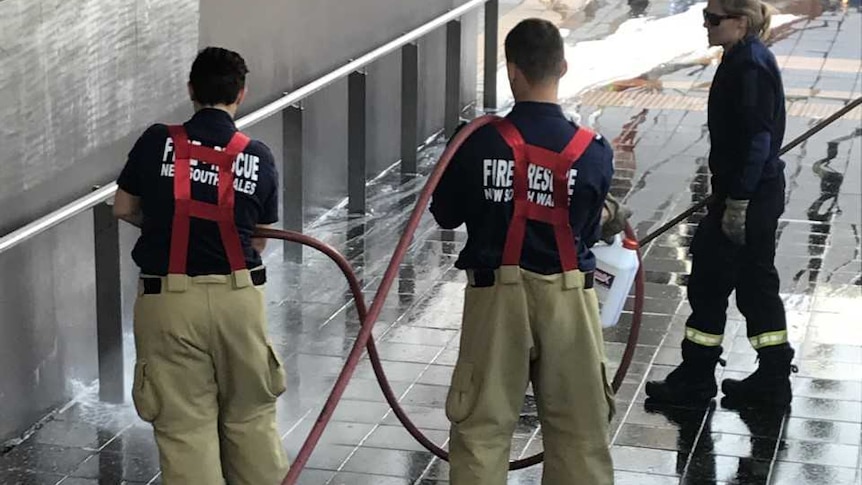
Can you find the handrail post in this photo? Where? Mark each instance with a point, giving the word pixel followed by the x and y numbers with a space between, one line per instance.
pixel 453 77
pixel 356 157
pixel 293 194
pixel 492 22
pixel 109 316
pixel 409 109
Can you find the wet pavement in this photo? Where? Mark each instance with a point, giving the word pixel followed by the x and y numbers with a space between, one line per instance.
pixel 661 146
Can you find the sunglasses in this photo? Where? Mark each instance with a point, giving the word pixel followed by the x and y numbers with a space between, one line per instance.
pixel 715 19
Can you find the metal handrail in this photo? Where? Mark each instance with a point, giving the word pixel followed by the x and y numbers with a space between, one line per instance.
pixel 104 194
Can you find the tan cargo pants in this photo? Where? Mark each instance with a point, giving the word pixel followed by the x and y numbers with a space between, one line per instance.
pixel 207 379
pixel 534 328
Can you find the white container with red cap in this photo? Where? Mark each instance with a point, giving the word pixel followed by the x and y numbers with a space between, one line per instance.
pixel 616 267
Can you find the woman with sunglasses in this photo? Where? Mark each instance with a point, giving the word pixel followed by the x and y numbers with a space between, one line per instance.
pixel 734 246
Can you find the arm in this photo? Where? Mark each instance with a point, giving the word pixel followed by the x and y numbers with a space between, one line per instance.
pixel 259 243
pixel 127 207
pixel 127 201
pixel 447 204
pixel 587 209
pixel 756 113
pixel 269 212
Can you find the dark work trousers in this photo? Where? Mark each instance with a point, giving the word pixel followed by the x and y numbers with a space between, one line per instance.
pixel 719 266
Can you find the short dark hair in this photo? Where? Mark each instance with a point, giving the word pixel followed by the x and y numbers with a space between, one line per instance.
pixel 217 76
pixel 535 46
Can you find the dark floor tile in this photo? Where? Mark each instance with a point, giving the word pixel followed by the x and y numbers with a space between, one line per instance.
pixel 397 438
pixel 438 375
pixel 25 477
pixel 398 352
pixel 136 441
pixel 851 354
pixel 828 389
pixel 668 356
pixel 84 481
pixel 785 473
pixel 312 476
pixel 672 417
pixel 636 435
pixel 631 478
pixel 760 422
pixel 648 460
pixel 76 434
pixel 44 458
pixel 395 463
pixel 422 416
pixel 755 447
pixel 437 471
pixel 327 456
pixel 819 453
pixel 346 478
pixel 360 411
pixel 839 432
pixel 823 369
pixel 342 433
pixel 419 335
pixel 112 466
pixel 426 395
pixel 360 389
pixel 708 468
pixel 826 409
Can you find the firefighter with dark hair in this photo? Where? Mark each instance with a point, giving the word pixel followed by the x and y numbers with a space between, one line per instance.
pixel 531 190
pixel 206 376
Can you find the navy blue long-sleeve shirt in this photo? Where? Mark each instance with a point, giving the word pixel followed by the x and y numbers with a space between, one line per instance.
pixel 475 189
pixel 149 174
pixel 746 120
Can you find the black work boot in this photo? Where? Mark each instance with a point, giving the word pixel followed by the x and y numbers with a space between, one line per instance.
pixel 769 385
pixel 692 382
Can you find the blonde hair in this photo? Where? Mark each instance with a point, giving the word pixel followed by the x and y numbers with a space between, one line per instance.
pixel 758 14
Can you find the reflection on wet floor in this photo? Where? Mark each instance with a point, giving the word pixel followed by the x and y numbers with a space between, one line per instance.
pixel 661 169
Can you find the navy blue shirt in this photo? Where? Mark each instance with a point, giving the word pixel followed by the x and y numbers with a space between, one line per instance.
pixel 746 119
pixel 148 174
pixel 475 189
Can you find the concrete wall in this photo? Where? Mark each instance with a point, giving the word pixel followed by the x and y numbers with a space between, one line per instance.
pixel 80 80
pixel 288 54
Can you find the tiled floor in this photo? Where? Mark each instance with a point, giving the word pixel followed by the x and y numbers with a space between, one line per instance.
pixel 661 171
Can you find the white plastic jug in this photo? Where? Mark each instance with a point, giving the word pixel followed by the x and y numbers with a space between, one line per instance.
pixel 616 267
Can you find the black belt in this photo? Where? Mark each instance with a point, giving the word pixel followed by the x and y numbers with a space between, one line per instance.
pixel 153 284
pixel 483 278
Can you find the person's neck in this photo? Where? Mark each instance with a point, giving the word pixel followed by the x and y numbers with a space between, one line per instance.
pixel 539 94
pixel 227 108
pixel 730 45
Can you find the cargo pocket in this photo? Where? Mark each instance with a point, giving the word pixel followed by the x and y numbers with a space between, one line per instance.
pixel 277 377
pixel 144 393
pixel 462 393
pixel 609 393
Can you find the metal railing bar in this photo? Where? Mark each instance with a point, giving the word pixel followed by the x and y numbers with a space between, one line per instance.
pixel 104 193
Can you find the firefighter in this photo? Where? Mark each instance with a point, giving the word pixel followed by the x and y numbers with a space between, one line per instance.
pixel 206 376
pixel 531 190
pixel 734 245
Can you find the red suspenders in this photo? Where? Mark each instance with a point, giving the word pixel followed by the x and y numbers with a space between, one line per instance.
pixel 185 207
pixel 525 209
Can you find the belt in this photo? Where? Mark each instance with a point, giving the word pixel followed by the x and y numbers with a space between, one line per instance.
pixel 153 284
pixel 483 278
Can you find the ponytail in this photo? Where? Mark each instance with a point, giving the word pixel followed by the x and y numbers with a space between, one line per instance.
pixel 766 11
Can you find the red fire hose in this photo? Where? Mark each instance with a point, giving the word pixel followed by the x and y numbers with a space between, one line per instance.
pixel 369 317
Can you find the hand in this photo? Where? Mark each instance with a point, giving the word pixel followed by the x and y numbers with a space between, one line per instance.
pixel 733 220
pixel 614 217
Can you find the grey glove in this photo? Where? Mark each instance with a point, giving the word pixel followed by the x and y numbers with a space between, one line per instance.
pixel 733 220
pixel 615 221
